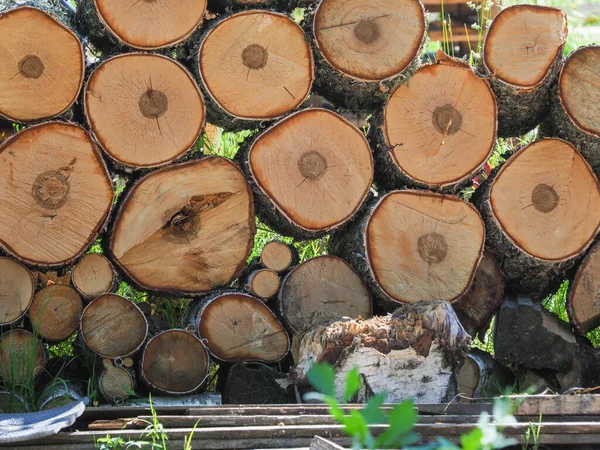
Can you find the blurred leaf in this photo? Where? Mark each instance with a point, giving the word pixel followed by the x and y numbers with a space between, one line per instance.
pixel 352 385
pixel 372 411
pixel 321 376
pixel 472 441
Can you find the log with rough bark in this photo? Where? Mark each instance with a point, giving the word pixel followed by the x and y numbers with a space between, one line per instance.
pixel 436 131
pixel 414 245
pixel 239 328
pixel 362 50
pixel 55 312
pixel 476 308
pixel 145 110
pixel 42 69
pixel 263 283
pixel 522 55
pixel 310 173
pixel 93 275
pixel 412 353
pixel 279 256
pixel 325 283
pixel 56 192
pixel 481 376
pixel 22 357
pixel 542 210
pixel 17 286
pixel 175 362
pixel 113 25
pixel 583 299
pixel 187 228
pixel 256 66
pixel 575 104
pixel 115 383
pixel 113 326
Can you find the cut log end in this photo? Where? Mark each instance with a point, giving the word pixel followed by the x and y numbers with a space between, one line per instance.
pixel 198 216
pixel 161 112
pixel 370 42
pixel 55 312
pixel 175 362
pixel 263 283
pixel 583 301
pixel 93 275
pixel 17 286
pixel 22 357
pixel 42 74
pixel 151 24
pixel 57 192
pixel 257 65
pixel 523 42
pixel 113 326
pixel 115 383
pixel 278 256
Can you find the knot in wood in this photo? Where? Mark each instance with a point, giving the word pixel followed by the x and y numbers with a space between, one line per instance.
pixel 544 198
pixel 255 56
pixel 366 31
pixel 31 66
pixel 432 248
pixel 51 189
pixel 153 104
pixel 312 165
pixel 447 120
pixel 185 223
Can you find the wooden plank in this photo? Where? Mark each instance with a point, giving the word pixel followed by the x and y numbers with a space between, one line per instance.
pixel 585 404
pixel 318 443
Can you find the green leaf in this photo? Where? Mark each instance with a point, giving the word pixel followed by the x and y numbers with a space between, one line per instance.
pixel 352 385
pixel 472 441
pixel 356 427
pixel 372 411
pixel 322 376
pixel 402 419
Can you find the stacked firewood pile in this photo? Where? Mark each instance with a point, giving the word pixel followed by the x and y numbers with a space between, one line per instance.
pixel 122 90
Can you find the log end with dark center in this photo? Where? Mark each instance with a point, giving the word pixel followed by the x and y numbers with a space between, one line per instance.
pixel 312 165
pixel 432 247
pixel 51 189
pixel 31 66
pixel 366 31
pixel 544 198
pixel 153 104
pixel 447 119
pixel 255 56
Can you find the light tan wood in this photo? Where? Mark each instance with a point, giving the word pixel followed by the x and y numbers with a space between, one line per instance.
pixel 16 290
pixel 115 383
pixel 441 126
pixel 93 275
pixel 240 328
pixel 579 88
pixel 113 326
pixel 315 166
pixel 144 109
pixel 56 193
pixel 41 65
pixel 151 24
pixel 263 283
pixel 547 200
pixel 55 312
pixel 175 362
pixel 257 64
pixel 277 256
pixel 583 301
pixel 22 357
pixel 523 42
pixel 325 283
pixel 188 228
pixel 424 246
pixel 370 41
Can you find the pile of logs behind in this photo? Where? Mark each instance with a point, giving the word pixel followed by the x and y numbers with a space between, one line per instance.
pixel 133 107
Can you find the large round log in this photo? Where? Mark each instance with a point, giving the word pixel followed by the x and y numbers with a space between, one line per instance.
pixel 432 136
pixel 310 173
pixel 414 245
pixel 175 362
pixel 522 54
pixel 55 312
pixel 542 210
pixel 56 193
pixel 113 326
pixel 114 25
pixel 187 228
pixel 145 110
pixel 16 291
pixel 255 66
pixel 360 46
pixel 325 283
pixel 22 357
pixel 42 68
pixel 93 275
pixel 239 328
pixel 583 300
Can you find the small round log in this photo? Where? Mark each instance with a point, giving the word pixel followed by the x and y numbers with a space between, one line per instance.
pixel 583 300
pixel 255 66
pixel 93 275
pixel 57 193
pixel 522 54
pixel 480 375
pixel 187 228
pixel 239 328
pixel 414 245
pixel 279 256
pixel 17 286
pixel 55 312
pixel 310 173
pixel 263 283
pixel 113 326
pixel 115 383
pixel 175 362
pixel 431 136
pixel 325 283
pixel 542 210
pixel 22 357
pixel 42 74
